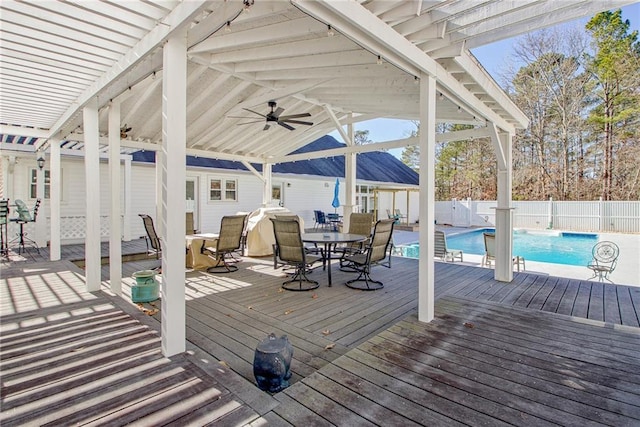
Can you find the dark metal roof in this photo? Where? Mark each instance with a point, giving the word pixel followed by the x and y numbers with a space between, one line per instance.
pixel 371 166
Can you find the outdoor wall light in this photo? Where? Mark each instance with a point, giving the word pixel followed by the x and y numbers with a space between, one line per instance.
pixel 40 162
pixel 379 61
pixel 330 31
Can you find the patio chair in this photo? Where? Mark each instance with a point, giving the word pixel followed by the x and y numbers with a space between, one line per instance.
pixel 605 258
pixel 229 241
pixel 154 247
pixel 374 254
pixel 313 250
pixel 359 223
pixel 490 252
pixel 320 220
pixel 441 250
pixel 25 217
pixel 291 251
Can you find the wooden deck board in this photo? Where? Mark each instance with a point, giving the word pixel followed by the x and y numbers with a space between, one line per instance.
pixel 358 356
pixel 475 378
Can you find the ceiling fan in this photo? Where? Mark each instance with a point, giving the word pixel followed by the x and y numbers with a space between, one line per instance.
pixel 275 116
pixel 124 130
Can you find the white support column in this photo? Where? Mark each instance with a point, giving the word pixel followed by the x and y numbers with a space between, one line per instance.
pixel 173 166
pixel 55 197
pixel 128 214
pixel 426 276
pixel 5 175
pixel 504 214
pixel 158 213
pixel 266 190
pixel 350 168
pixel 41 219
pixel 92 183
pixel 115 233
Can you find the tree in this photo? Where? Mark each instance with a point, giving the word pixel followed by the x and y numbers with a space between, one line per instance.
pixel 411 154
pixel 361 137
pixel 550 89
pixel 615 67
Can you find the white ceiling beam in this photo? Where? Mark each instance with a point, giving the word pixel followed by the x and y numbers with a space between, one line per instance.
pixel 238 38
pixel 176 20
pixel 336 43
pixel 337 124
pixel 311 60
pixel 23 131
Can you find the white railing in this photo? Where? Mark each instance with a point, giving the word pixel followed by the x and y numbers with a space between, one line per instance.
pixel 623 217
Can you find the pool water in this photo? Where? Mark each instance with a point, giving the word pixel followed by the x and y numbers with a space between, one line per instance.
pixel 534 245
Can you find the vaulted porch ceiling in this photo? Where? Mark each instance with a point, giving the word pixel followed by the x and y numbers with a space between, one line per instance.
pixel 57 55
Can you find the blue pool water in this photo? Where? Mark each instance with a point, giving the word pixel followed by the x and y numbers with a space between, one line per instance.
pixel 543 246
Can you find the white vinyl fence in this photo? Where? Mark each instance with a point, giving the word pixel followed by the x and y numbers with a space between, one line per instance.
pixel 622 217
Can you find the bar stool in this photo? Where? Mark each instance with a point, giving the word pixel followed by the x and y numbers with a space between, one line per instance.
pixel 24 217
pixel 4 232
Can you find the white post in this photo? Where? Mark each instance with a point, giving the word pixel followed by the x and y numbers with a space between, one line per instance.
pixel 41 219
pixel 115 239
pixel 504 214
pixel 128 217
pixel 350 167
pixel 266 190
pixel 5 176
pixel 427 142
pixel 158 213
pixel 550 214
pixel 92 185
pixel 174 135
pixel 54 201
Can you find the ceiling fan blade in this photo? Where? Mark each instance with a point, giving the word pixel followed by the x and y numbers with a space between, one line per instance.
pixel 284 125
pixel 251 122
pixel 267 126
pixel 295 116
pixel 298 122
pixel 278 111
pixel 255 112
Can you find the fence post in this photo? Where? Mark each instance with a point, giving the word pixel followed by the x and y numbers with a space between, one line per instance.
pixel 600 212
pixel 550 214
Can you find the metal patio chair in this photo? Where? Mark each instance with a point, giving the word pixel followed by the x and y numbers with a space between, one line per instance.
pixel 374 254
pixel 604 260
pixel 290 251
pixel 229 241
pixel 490 252
pixel 154 247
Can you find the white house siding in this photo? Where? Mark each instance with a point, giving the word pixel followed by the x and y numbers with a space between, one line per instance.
pixel 302 194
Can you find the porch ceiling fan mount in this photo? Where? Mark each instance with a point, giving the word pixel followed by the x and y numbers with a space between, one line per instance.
pixel 274 116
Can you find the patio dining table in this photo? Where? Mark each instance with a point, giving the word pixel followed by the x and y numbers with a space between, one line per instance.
pixel 329 240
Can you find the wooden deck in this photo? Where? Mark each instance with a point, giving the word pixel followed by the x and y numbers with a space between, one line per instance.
pixel 531 352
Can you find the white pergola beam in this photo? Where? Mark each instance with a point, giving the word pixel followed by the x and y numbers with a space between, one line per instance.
pixel 178 19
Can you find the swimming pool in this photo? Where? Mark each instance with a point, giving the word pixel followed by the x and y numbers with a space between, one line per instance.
pixel 534 245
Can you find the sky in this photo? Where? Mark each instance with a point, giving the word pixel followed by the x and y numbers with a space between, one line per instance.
pixel 493 58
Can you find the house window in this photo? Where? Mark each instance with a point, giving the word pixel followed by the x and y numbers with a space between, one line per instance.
pixel 33 184
pixel 223 189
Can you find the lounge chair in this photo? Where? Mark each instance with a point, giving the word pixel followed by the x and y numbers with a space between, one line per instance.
pixel 490 252
pixel 374 254
pixel 229 240
pixel 441 250
pixel 605 258
pixel 291 251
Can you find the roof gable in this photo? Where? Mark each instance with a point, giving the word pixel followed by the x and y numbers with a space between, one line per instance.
pixel 370 166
